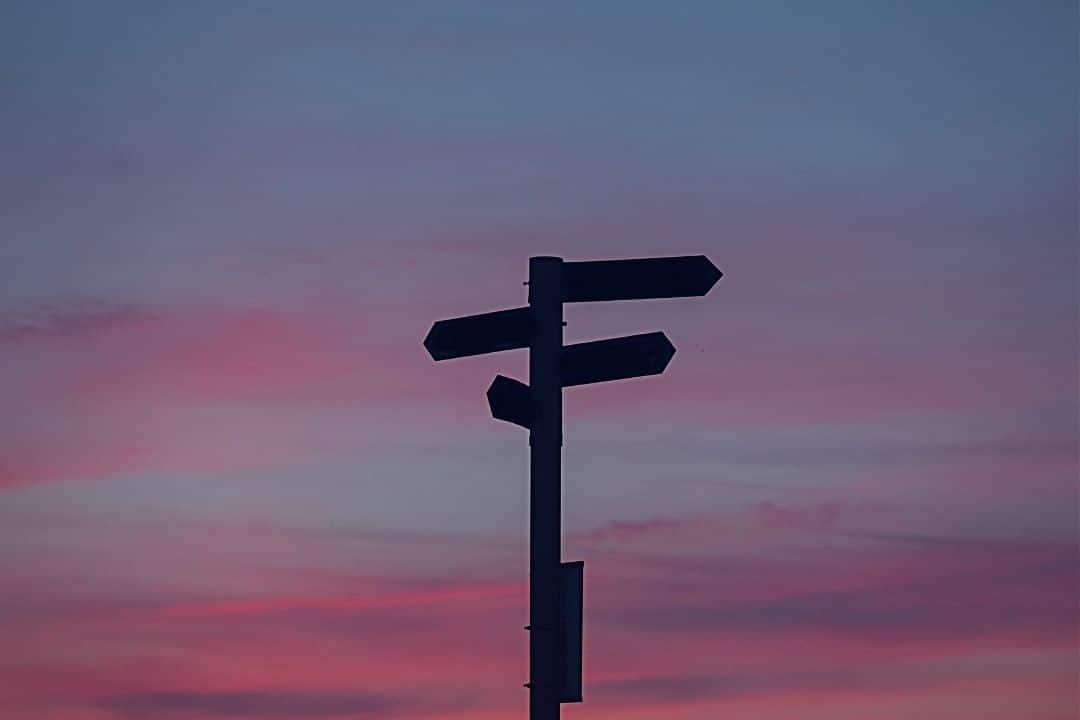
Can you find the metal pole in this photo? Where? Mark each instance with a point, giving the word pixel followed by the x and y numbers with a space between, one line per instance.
pixel 545 492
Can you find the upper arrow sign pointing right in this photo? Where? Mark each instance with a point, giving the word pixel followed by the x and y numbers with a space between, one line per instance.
pixel 599 280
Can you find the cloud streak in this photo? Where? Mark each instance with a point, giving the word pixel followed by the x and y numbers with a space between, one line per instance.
pixel 278 704
pixel 862 616
pixel 73 322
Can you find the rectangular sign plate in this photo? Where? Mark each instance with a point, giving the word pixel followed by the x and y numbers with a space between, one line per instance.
pixel 571 612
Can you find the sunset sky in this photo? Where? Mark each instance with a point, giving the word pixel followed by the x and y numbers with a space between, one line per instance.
pixel 234 486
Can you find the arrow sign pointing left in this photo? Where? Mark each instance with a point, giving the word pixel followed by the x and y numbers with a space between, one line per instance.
pixel 616 359
pixel 510 400
pixel 479 334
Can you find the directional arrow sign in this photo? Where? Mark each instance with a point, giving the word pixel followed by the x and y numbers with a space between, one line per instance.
pixel 510 400
pixel 479 334
pixel 683 276
pixel 616 359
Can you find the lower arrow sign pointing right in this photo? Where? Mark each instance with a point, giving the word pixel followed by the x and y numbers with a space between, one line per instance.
pixel 616 359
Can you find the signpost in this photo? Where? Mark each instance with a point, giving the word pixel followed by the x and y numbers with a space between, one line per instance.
pixel 555 587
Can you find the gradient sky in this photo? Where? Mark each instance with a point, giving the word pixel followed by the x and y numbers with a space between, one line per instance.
pixel 234 486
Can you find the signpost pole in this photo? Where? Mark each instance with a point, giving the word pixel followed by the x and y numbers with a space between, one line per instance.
pixel 555 588
pixel 545 492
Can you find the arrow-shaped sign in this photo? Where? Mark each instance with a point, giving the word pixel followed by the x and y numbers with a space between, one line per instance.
pixel 510 400
pixel 596 280
pixel 479 334
pixel 615 359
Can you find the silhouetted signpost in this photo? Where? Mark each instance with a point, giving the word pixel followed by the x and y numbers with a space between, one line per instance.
pixel 555 587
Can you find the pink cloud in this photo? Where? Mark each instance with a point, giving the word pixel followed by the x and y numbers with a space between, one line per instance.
pixel 693 630
pixel 84 321
pixel 621 530
pixel 104 390
pixel 750 388
pixel 823 516
pixel 23 466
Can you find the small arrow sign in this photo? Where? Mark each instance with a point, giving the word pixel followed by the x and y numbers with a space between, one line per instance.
pixel 616 359
pixel 510 400
pixel 479 334
pixel 639 279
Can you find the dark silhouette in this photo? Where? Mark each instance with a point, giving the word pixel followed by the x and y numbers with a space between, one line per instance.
pixel 555 587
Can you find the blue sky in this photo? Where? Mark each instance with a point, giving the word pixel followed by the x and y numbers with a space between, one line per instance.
pixel 230 475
